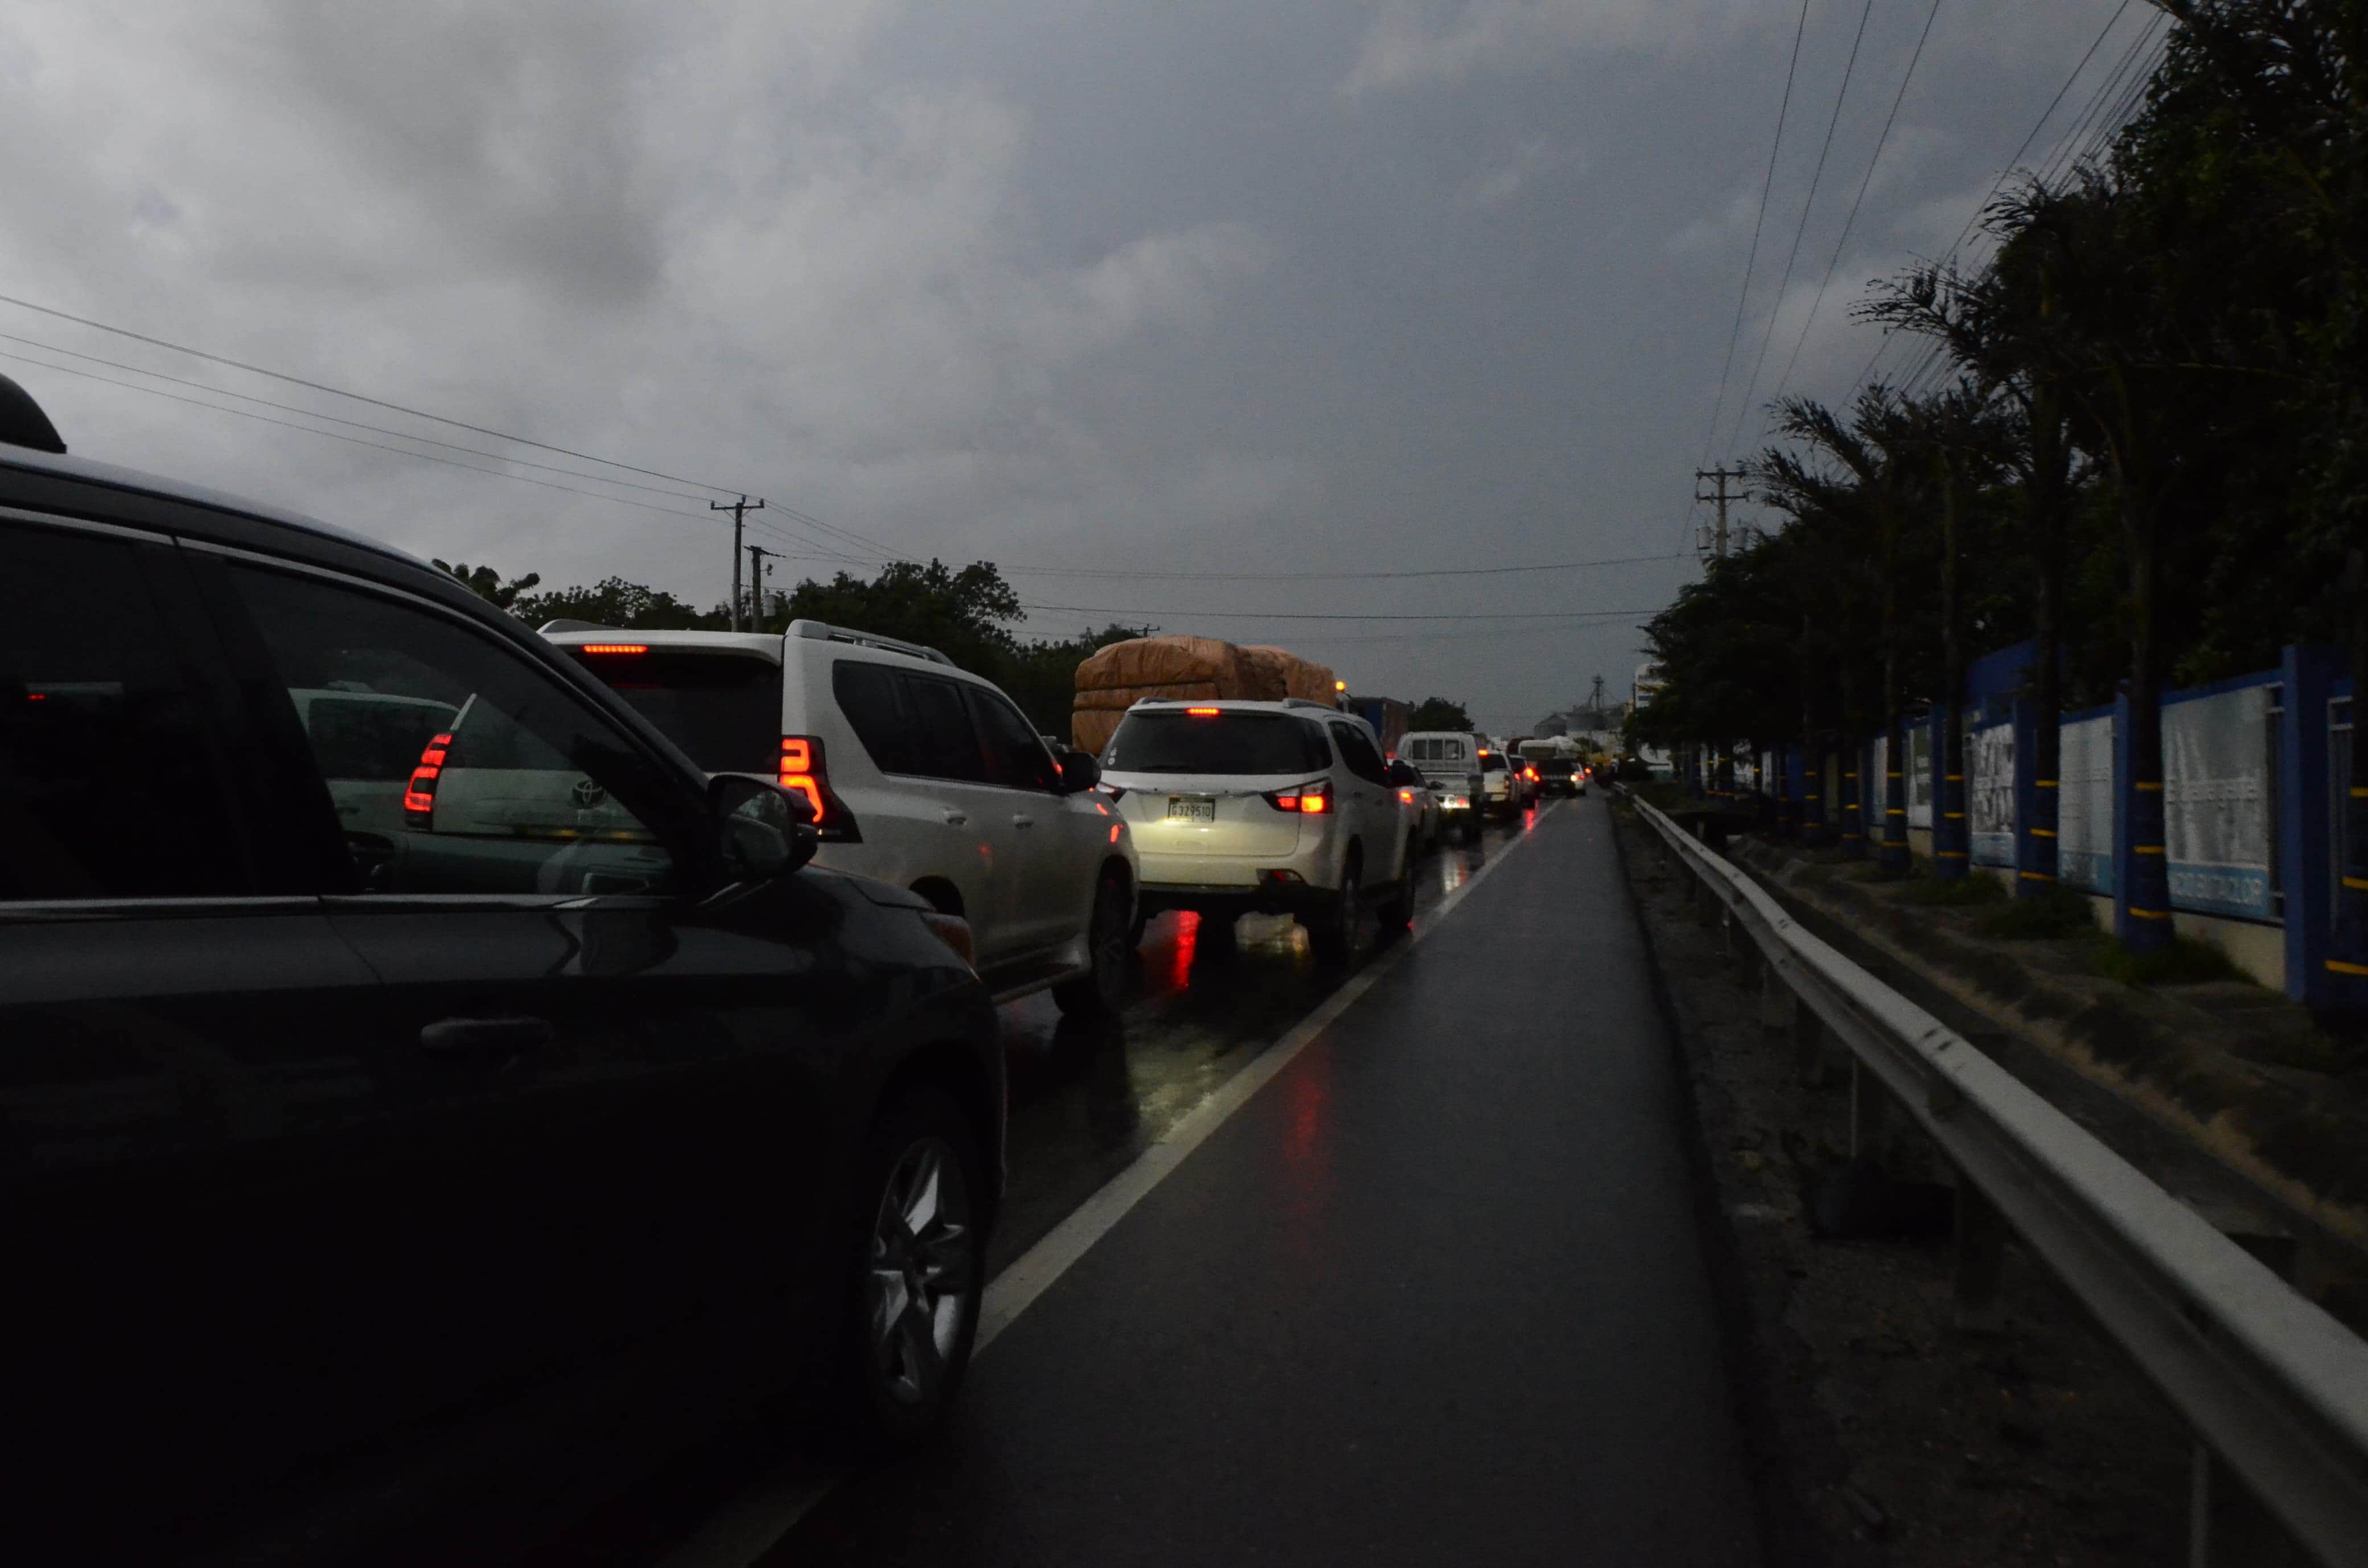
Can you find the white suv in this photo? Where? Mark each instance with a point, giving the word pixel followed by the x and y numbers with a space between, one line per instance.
pixel 1276 806
pixel 920 774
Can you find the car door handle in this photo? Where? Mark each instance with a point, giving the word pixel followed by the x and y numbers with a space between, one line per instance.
pixel 955 819
pixel 483 1036
pixel 1017 820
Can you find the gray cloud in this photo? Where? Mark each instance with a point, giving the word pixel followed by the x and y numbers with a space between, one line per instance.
pixel 1130 288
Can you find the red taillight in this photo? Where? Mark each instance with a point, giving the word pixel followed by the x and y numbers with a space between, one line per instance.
pixel 419 795
pixel 1202 712
pixel 1311 799
pixel 801 771
pixel 616 648
pixel 1407 795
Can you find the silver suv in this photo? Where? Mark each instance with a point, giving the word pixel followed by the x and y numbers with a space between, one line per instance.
pixel 1264 806
pixel 920 774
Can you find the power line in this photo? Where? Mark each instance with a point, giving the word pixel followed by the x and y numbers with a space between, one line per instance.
pixel 1308 615
pixel 1808 205
pixel 333 436
pixel 1329 576
pixel 334 419
pixel 1760 219
pixel 1882 141
pixel 357 397
pixel 2015 158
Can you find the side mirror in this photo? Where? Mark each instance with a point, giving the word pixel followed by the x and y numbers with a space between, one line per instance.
pixel 1080 771
pixel 762 831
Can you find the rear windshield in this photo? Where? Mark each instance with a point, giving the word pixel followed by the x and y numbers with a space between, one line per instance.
pixel 1492 763
pixel 1171 742
pixel 1438 748
pixel 722 709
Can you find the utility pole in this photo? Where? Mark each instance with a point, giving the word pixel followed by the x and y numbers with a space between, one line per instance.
pixel 1721 475
pixel 737 508
pixel 756 553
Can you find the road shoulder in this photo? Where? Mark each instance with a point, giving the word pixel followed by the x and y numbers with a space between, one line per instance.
pixel 1879 1433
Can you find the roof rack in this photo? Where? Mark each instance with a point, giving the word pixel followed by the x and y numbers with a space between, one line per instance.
pixel 22 423
pixel 822 632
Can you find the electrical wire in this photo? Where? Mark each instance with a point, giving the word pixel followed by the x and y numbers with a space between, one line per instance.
pixel 1751 258
pixel 1882 140
pixel 1333 576
pixel 2013 160
pixel 360 397
pixel 334 419
pixel 1332 615
pixel 1808 205
pixel 354 440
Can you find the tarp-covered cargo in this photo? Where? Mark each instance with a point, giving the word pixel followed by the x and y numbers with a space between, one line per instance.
pixel 1115 679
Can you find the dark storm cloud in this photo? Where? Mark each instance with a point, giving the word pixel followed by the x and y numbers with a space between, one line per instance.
pixel 1139 287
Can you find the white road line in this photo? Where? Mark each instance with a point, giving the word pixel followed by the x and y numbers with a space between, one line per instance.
pixel 755 1522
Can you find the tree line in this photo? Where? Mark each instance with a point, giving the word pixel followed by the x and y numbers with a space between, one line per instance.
pixel 2142 443
pixel 965 613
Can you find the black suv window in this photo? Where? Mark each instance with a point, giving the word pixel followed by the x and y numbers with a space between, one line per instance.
pixel 1357 751
pixel 519 786
pixel 722 708
pixel 910 723
pixel 110 786
pixel 1019 758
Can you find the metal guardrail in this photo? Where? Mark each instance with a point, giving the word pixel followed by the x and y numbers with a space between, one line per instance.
pixel 2275 1390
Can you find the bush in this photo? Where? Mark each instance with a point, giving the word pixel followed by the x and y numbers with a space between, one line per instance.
pixel 2185 961
pixel 1973 889
pixel 2059 911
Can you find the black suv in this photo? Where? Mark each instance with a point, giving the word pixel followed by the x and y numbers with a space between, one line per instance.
pixel 422 1090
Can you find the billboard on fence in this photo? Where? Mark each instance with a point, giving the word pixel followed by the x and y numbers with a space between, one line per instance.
pixel 2084 821
pixel 1990 793
pixel 2216 797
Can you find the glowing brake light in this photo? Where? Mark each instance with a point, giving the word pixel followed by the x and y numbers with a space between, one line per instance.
pixel 1407 795
pixel 800 772
pixel 616 647
pixel 1309 800
pixel 1202 712
pixel 419 795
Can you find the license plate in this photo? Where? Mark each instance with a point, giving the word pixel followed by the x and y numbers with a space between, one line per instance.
pixel 1182 808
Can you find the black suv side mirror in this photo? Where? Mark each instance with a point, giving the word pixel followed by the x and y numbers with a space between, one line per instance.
pixel 1080 771
pixel 762 831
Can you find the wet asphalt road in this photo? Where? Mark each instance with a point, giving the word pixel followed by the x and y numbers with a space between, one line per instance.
pixel 1433 1295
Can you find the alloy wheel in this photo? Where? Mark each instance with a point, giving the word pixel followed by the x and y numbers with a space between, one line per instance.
pixel 919 1290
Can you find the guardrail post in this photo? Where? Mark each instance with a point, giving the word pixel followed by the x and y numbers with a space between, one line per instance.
pixel 2227 1525
pixel 1980 1261
pixel 1865 1111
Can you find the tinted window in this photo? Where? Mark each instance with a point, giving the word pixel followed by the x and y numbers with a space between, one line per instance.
pixel 1492 763
pixel 724 709
pixel 110 783
pixel 367 735
pixel 913 724
pixel 1404 772
pixel 525 788
pixel 1172 742
pixel 1357 751
pixel 1017 756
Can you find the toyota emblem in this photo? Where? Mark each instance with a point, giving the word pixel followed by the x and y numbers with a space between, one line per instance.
pixel 588 794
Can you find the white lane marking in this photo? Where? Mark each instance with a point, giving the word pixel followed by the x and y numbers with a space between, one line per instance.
pixel 757 1520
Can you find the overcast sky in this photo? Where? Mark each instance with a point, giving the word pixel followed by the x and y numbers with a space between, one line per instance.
pixel 1109 286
